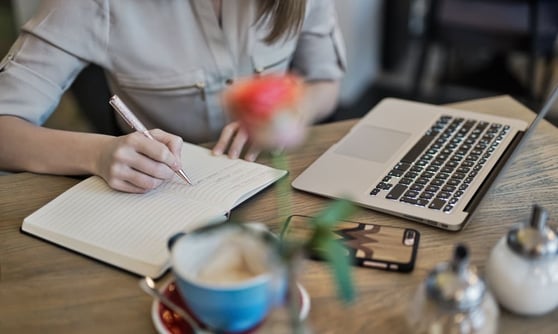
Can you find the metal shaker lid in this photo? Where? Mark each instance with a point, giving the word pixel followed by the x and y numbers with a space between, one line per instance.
pixel 534 239
pixel 455 285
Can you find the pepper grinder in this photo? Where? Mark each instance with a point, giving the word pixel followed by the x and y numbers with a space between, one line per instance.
pixel 453 299
pixel 522 269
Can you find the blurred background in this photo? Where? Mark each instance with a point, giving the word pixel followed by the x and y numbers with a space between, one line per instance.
pixel 436 51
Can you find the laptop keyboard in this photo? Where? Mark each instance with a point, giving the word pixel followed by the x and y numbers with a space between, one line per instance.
pixel 435 173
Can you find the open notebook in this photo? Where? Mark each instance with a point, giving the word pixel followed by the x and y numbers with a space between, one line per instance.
pixel 431 164
pixel 130 231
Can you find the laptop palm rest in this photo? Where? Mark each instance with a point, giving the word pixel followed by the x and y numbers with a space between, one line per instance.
pixel 372 143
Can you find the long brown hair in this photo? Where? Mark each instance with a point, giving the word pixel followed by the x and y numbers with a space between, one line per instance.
pixel 286 17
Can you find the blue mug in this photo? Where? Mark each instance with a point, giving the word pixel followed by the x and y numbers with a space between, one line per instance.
pixel 227 277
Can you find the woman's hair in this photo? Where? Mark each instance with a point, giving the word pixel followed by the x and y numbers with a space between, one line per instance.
pixel 286 17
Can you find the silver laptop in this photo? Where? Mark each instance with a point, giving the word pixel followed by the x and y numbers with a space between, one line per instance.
pixel 427 163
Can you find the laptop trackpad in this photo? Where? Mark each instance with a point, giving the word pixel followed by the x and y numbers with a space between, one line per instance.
pixel 372 143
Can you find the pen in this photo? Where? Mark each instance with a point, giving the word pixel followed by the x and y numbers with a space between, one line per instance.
pixel 135 124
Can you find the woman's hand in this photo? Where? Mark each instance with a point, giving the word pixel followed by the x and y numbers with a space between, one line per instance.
pixel 134 163
pixel 233 140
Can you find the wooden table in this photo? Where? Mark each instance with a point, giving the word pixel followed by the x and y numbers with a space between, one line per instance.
pixel 47 289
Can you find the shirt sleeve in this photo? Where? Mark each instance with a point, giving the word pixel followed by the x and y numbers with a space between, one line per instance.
pixel 320 50
pixel 46 58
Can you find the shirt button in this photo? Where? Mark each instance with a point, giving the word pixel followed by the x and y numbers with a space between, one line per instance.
pixel 229 81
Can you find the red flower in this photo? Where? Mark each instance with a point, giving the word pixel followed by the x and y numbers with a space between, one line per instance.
pixel 258 98
pixel 266 106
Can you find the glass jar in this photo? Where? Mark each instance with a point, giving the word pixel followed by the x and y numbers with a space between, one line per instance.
pixel 453 300
pixel 522 269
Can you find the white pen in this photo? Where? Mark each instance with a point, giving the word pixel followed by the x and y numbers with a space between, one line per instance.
pixel 135 124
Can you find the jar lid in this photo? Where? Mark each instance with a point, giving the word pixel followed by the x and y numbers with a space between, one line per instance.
pixel 534 239
pixel 455 285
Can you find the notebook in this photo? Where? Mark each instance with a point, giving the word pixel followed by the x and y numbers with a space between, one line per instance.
pixel 427 163
pixel 130 231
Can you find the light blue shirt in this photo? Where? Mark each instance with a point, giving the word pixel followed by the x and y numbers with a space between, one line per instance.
pixel 168 60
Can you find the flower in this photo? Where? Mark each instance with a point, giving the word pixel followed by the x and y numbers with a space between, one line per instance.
pixel 267 107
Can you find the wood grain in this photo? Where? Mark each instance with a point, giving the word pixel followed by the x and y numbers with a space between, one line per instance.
pixel 47 289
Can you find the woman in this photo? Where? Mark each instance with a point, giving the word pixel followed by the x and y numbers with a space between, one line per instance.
pixel 168 60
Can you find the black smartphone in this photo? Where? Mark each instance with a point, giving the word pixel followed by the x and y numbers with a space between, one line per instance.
pixel 369 245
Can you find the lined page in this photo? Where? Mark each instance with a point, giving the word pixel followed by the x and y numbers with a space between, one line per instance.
pixel 135 226
pixel 220 180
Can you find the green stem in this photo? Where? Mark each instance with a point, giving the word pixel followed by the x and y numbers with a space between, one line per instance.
pixel 283 189
pixel 284 211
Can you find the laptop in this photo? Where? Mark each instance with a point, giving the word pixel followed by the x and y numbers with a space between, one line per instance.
pixel 427 163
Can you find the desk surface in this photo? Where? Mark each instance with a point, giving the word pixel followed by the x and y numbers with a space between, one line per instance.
pixel 44 288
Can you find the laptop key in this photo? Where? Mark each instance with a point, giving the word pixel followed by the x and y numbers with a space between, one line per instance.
pixel 427 195
pixel 384 185
pixel 443 195
pixel 415 201
pixel 411 175
pixel 437 204
pixel 422 180
pixel 427 175
pixel 432 188
pixel 402 166
pixel 375 191
pixel 449 188
pixel 442 176
pixel 411 194
pixel 453 182
pixel 432 168
pixel 408 200
pixel 419 147
pixel 422 202
pixel 437 182
pixel 406 181
pixel 397 191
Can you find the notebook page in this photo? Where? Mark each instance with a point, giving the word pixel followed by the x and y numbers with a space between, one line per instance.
pixel 228 186
pixel 118 227
pixel 220 180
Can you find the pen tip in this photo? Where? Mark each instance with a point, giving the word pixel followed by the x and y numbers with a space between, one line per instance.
pixel 184 177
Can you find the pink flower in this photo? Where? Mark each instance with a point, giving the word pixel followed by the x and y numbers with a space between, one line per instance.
pixel 266 106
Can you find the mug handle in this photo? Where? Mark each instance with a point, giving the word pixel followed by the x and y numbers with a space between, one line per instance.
pixel 172 240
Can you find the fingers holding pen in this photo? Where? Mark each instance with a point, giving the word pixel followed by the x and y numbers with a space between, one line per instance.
pixel 135 163
pixel 168 152
pixel 173 144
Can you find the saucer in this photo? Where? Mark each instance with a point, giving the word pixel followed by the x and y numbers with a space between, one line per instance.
pixel 168 322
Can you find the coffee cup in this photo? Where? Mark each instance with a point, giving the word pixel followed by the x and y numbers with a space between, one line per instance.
pixel 228 276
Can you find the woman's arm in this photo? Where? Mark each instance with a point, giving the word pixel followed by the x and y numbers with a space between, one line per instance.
pixel 27 147
pixel 319 100
pixel 131 163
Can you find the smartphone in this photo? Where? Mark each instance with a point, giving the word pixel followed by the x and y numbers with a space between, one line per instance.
pixel 368 245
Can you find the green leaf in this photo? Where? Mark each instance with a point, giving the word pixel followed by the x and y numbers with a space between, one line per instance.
pixel 340 264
